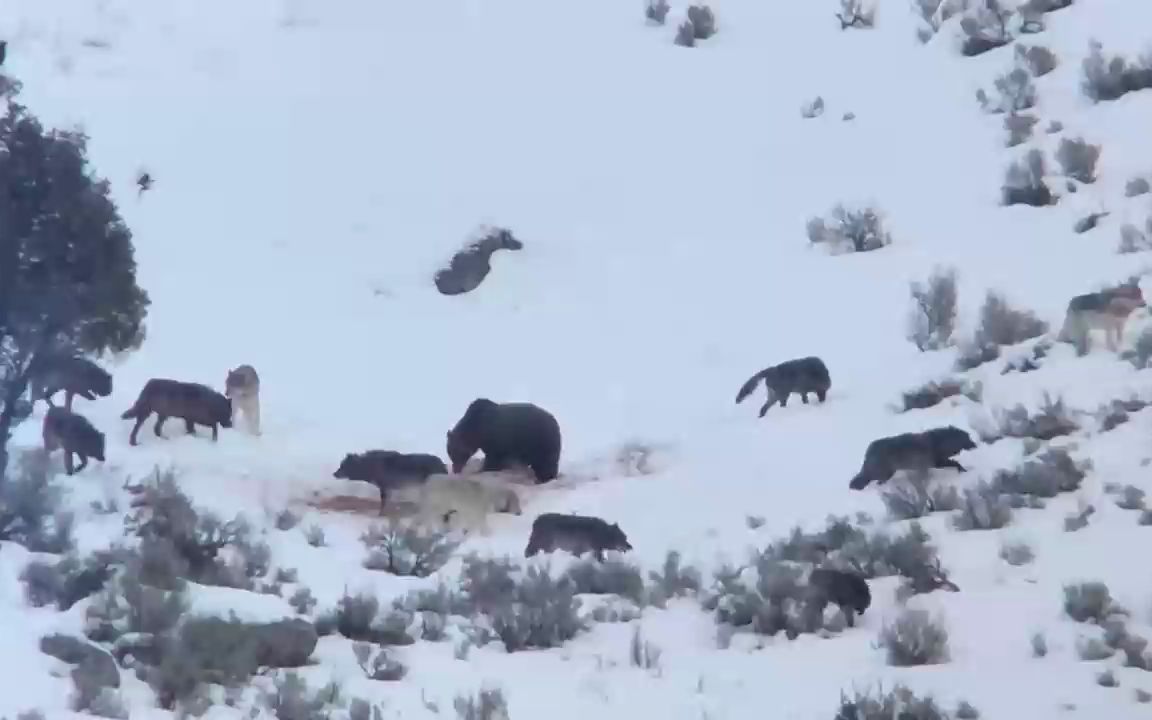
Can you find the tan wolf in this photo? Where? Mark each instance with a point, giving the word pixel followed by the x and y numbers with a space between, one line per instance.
pixel 1106 310
pixel 465 501
pixel 243 387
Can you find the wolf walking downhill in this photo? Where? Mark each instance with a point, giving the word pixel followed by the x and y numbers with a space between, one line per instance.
pixel 802 375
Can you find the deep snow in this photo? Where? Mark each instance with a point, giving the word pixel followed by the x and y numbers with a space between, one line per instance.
pixel 315 162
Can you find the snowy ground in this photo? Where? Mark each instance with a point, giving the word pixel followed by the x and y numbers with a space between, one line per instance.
pixel 315 162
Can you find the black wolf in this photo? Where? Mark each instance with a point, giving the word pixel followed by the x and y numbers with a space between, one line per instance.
pixel 73 374
pixel 847 590
pixel 389 470
pixel 193 403
pixel 911 451
pixel 470 266
pixel 802 375
pixel 72 432
pixel 507 433
pixel 576 534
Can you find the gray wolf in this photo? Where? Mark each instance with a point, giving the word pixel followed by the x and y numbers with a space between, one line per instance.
pixel 65 429
pixel 1106 310
pixel 470 266
pixel 465 500
pixel 802 375
pixel 507 433
pixel 911 451
pixel 243 387
pixel 191 402
pixel 389 470
pixel 73 374
pixel 576 534
pixel 847 590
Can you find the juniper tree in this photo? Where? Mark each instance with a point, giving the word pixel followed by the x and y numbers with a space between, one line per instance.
pixel 67 264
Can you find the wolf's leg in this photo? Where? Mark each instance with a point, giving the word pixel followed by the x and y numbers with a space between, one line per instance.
pixel 215 432
pixel 804 397
pixel 83 462
pixel 950 463
pixel 159 429
pixel 136 428
pixel 189 426
pixel 68 397
pixel 821 395
pixel 493 463
pixel 68 461
pixel 252 414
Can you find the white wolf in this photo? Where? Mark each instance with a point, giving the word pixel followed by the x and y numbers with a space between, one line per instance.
pixel 465 501
pixel 243 387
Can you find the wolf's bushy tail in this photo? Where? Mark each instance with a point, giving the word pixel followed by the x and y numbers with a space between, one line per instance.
pixel 136 410
pixel 747 388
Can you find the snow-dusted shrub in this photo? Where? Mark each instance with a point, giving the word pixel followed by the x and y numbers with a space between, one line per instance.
pixel 1079 520
pixel 985 27
pixel 776 600
pixel 1052 419
pixel 1039 645
pixel 913 498
pixel 30 507
pixel 1104 79
pixel 1137 186
pixel 1093 649
pixel 1037 59
pixel 1118 412
pixel 642 653
pixel 1090 602
pixel 1002 324
pixel 358 617
pixel 1017 553
pixel 407 548
pixel 1018 127
pixel 1024 182
pixel 1139 695
pixel 970 355
pixel 812 109
pixel 1133 239
pixel 933 317
pixel 1089 222
pixel 286 519
pixel 487 704
pixel 915 638
pixel 934 392
pixel 377 663
pixel 900 703
pixel 130 605
pixel 656 11
pixel 673 580
pixel 291 699
pixel 177 540
pixel 685 35
pixel 853 14
pixel 1077 159
pixel 1014 92
pixel 102 702
pixel 1029 362
pixel 314 536
pixel 1107 678
pixel 302 601
pixel 613 576
pixel 848 230
pixel 69 580
pixel 1046 475
pixel 983 508
pixel 703 21
pixel 1131 498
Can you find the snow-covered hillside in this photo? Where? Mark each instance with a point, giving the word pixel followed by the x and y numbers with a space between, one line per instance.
pixel 316 161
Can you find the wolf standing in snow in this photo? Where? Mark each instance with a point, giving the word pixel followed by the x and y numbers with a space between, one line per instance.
pixel 507 433
pixel 802 375
pixel 1106 310
pixel 389 470
pixel 847 590
pixel 73 374
pixel 466 500
pixel 577 534
pixel 911 451
pixel 243 388
pixel 191 402
pixel 65 429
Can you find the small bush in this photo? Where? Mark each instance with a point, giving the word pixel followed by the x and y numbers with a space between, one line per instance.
pixel 673 579
pixel 1107 678
pixel 489 704
pixel 1088 222
pixel 30 507
pixel 641 653
pixel 853 15
pixel 1037 59
pixel 1046 475
pixel 1024 182
pixel 1017 553
pixel 1133 239
pixel 1039 645
pixel 985 27
pixel 849 231
pixel 1105 79
pixel 292 700
pixel 983 508
pixel 915 638
pixel 914 498
pixel 1077 159
pixel 613 576
pixel 935 392
pixel 314 535
pixel 812 109
pixel 69 580
pixel 1089 602
pixel 901 703
pixel 1137 186
pixel 1052 419
pixel 1131 498
pixel 286 520
pixel 1093 650
pixel 377 663
pixel 1014 92
pixel 933 318
pixel 656 11
pixel 1002 324
pixel 1079 520
pixel 1018 128
pixel 130 605
pixel 1140 696
pixel 407 549
pixel 685 35
pixel 302 601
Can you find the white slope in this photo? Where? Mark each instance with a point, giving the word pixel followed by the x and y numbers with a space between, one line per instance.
pixel 315 162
